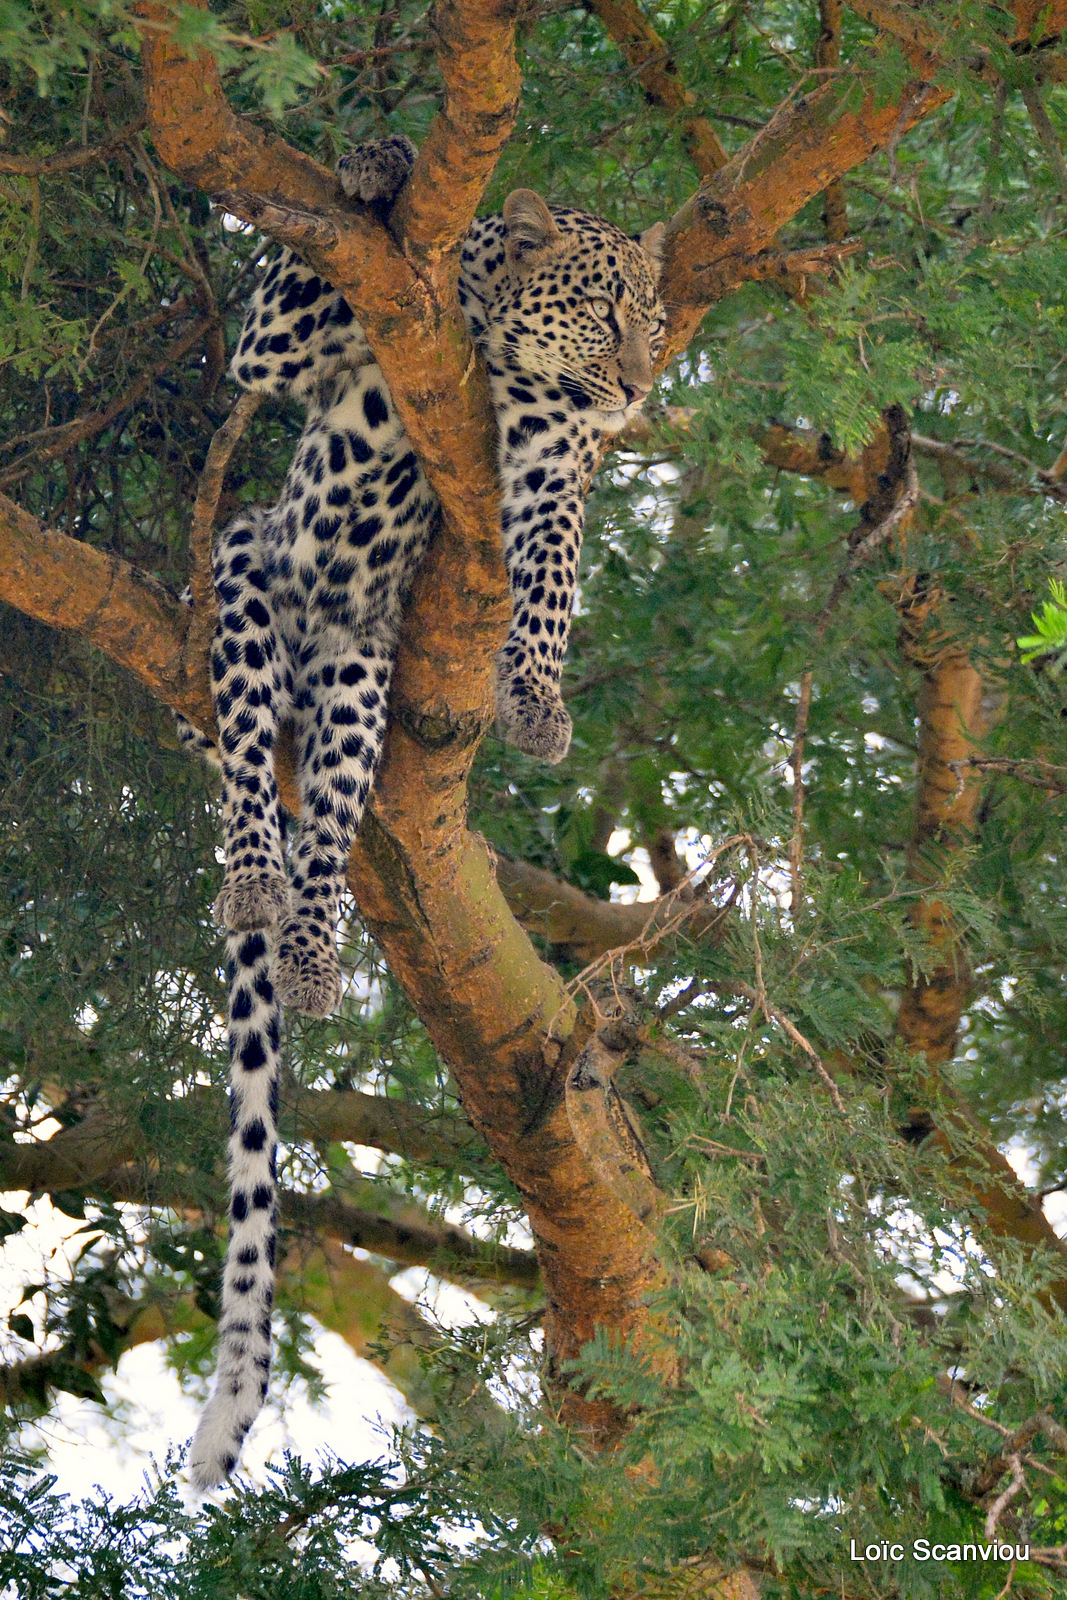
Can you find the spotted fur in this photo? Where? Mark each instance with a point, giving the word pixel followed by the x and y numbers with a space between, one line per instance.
pixel 564 309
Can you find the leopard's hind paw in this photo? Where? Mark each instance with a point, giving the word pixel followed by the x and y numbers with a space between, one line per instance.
pixel 376 170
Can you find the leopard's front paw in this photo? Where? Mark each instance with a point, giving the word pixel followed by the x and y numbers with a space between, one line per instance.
pixel 533 718
pixel 376 170
pixel 248 901
pixel 306 971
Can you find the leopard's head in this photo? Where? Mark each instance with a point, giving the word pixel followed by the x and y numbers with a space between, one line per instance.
pixel 578 303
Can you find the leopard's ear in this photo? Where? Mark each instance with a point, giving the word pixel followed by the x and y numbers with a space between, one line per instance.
pixel 532 235
pixel 651 242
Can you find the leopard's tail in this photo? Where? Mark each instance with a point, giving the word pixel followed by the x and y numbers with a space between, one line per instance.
pixel 248 1279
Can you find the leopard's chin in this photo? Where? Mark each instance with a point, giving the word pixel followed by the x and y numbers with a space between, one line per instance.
pixel 615 420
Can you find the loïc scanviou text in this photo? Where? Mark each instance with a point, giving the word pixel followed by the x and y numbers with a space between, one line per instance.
pixel 924 1550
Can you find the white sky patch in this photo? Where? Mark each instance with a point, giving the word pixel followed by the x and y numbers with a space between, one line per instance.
pixel 148 1410
pixel 444 1302
pixel 628 894
pixel 87 1447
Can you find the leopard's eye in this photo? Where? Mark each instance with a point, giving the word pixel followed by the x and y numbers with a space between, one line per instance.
pixel 655 327
pixel 600 308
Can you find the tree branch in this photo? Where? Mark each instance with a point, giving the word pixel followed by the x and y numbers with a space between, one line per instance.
pixel 63 438
pixel 582 928
pixel 77 1156
pixel 414 1238
pixel 476 55
pixel 68 160
pixel 448 1251
pixel 202 527
pixel 807 146
pixel 657 73
pixel 125 612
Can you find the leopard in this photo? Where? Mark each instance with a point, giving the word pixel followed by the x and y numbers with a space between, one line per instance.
pixel 563 308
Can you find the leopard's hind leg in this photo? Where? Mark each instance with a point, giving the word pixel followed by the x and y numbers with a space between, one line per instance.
pixel 340 712
pixel 251 683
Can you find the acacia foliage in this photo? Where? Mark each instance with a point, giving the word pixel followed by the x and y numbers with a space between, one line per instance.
pixel 847 1272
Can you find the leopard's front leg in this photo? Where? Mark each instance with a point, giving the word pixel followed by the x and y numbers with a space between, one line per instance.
pixel 544 469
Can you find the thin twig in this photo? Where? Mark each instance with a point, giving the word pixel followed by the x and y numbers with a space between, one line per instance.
pixel 205 508
pixel 747 992
pixel 34 239
pixel 1040 774
pixel 1035 105
pixel 654 930
pixel 1006 1496
pixel 796 763
pixel 1009 1580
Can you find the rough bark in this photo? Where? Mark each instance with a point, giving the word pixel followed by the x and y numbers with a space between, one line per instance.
pixel 805 148
pixel 581 928
pixel 411 1236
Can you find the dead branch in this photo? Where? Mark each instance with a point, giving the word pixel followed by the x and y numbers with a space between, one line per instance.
pixel 1006 1496
pixel 954 455
pixel 60 440
pixel 68 160
pixel 788 1027
pixel 1035 771
pixel 1046 133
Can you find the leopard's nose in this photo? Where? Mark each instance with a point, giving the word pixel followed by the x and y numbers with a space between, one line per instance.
pixel 636 391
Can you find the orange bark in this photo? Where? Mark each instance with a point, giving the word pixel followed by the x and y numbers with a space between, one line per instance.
pixel 803 150
pixel 476 57
pixel 828 55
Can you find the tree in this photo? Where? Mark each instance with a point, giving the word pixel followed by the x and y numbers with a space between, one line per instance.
pixel 784 1288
